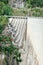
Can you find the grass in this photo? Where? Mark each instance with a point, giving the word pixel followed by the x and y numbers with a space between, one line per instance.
pixel 36 12
pixel 20 12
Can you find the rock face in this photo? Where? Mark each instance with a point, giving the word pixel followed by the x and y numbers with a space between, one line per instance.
pixel 16 3
pixel 17 27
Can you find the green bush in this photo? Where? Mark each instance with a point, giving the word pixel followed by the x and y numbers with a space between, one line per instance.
pixel 5 1
pixel 37 12
pixel 5 9
pixel 3 22
pixel 1 8
pixel 35 3
pixel 24 11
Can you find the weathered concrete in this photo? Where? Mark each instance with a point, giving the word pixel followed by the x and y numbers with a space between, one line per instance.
pixel 29 57
pixel 35 33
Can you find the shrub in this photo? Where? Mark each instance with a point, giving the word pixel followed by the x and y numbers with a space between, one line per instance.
pixel 37 12
pixel 3 22
pixel 5 1
pixel 24 11
pixel 1 8
pixel 8 10
pixel 5 9
pixel 35 3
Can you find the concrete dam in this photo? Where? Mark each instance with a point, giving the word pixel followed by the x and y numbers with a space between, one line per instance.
pixel 27 35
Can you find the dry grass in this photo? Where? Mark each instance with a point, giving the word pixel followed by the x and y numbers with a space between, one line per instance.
pixel 20 12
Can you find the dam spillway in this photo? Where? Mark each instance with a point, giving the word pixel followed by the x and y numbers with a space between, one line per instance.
pixel 18 27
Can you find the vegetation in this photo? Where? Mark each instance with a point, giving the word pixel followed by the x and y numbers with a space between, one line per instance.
pixel 20 12
pixel 11 52
pixel 5 9
pixel 1 8
pixel 34 3
pixel 37 12
pixel 3 23
pixel 5 1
